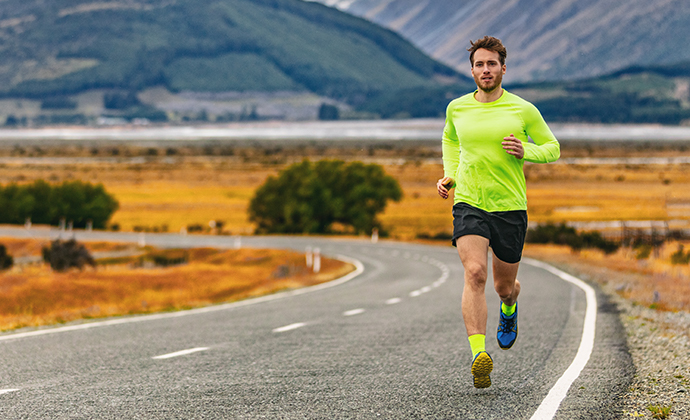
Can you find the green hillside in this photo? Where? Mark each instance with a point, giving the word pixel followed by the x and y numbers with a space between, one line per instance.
pixel 638 95
pixel 659 94
pixel 65 47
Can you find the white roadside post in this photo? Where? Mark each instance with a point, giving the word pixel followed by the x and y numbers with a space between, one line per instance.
pixel 238 242
pixel 142 240
pixel 310 257
pixel 374 235
pixel 27 224
pixel 317 260
pixel 89 226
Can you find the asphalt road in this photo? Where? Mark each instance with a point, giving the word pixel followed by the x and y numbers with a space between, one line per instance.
pixel 388 343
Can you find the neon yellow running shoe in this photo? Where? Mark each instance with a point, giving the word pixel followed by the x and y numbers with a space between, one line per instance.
pixel 482 365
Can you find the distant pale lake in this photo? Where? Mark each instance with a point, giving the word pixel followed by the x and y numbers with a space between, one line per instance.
pixel 384 130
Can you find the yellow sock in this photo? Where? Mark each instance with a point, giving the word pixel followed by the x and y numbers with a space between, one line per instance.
pixel 508 310
pixel 477 343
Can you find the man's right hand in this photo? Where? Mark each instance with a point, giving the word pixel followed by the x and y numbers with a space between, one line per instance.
pixel 444 185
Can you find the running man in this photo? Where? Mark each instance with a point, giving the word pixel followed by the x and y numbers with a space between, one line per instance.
pixel 485 144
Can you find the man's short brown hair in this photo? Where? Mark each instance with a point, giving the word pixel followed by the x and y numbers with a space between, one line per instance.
pixel 488 43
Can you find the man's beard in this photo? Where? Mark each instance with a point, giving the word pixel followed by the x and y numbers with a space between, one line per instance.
pixel 496 82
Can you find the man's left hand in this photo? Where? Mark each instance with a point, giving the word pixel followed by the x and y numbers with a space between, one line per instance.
pixel 513 146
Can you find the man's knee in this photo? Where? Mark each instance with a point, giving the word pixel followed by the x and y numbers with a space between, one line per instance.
pixel 505 291
pixel 475 274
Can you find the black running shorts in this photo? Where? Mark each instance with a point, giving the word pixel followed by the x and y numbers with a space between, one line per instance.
pixel 505 230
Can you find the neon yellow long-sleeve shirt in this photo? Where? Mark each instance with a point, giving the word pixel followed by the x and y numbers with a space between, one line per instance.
pixel 485 175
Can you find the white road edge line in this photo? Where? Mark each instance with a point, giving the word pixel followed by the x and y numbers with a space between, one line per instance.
pixel 180 353
pixel 549 406
pixel 359 269
pixel 7 391
pixel 353 312
pixel 289 327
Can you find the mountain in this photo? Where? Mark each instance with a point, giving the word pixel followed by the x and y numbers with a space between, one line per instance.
pixel 546 40
pixel 66 47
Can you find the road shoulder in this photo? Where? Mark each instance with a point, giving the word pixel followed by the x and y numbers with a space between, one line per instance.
pixel 657 342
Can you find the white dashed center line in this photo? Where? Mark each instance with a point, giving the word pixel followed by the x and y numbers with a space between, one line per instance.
pixel 289 327
pixel 353 312
pixel 7 391
pixel 180 353
pixel 393 301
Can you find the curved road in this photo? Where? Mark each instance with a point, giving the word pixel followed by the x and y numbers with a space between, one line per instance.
pixel 387 343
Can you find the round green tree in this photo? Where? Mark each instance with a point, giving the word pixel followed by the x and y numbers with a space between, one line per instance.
pixel 310 197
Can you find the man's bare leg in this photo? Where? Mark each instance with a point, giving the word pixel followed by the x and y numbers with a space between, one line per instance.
pixel 505 280
pixel 473 251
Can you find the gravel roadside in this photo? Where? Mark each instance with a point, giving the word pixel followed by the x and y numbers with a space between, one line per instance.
pixel 659 343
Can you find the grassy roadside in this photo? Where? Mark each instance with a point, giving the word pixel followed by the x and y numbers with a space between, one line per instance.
pixel 33 295
pixel 653 282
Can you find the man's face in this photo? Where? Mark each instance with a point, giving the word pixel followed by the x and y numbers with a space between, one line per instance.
pixel 487 70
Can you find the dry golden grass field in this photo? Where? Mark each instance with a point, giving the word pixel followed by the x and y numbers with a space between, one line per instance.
pixel 33 295
pixel 166 187
pixel 169 188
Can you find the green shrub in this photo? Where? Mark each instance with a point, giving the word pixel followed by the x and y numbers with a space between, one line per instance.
pixel 312 197
pixel 12 121
pixel 595 240
pixel 659 411
pixel 680 257
pixel 565 235
pixel 6 260
pixel 120 100
pixel 643 252
pixel 59 102
pixel 44 203
pixel 52 119
pixel 63 255
pixel 438 236
pixel 170 257
pixel 328 112
pixel 196 227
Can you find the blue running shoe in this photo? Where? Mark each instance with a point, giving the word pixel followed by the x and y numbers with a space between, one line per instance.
pixel 507 329
pixel 482 365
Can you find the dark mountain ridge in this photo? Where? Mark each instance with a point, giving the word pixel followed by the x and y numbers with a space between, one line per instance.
pixel 66 47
